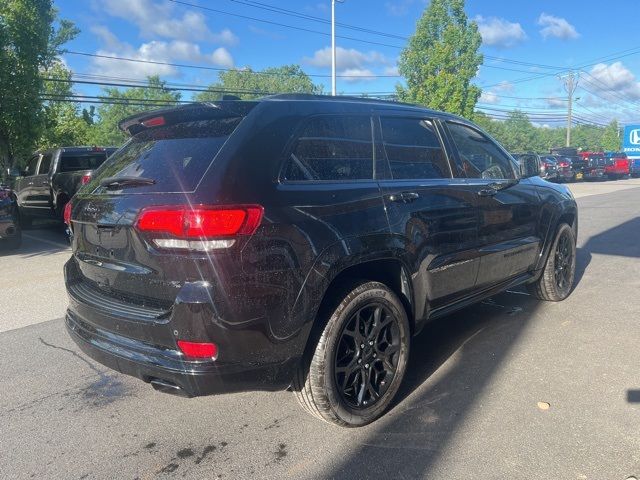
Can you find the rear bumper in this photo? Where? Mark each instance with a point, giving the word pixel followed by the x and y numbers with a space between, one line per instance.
pixel 141 342
pixel 153 364
pixel 595 173
pixel 8 226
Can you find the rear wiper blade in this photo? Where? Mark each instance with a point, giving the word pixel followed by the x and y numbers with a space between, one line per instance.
pixel 121 182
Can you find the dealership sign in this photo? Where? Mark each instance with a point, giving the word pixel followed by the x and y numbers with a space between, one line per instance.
pixel 631 143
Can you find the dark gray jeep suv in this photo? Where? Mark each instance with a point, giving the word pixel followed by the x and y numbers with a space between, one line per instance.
pixel 301 242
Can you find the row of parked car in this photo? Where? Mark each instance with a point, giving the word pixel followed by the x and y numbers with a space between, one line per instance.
pixel 43 188
pixel 571 165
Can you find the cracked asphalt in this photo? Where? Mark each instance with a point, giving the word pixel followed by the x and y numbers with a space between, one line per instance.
pixel 511 388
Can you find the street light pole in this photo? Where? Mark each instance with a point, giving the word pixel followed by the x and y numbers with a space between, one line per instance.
pixel 333 47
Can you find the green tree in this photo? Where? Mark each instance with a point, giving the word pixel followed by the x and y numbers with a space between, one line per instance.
pixel 611 136
pixel 248 84
pixel 123 103
pixel 441 59
pixel 519 134
pixel 64 121
pixel 30 40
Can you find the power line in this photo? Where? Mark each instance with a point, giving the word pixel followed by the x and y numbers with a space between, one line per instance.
pixel 217 69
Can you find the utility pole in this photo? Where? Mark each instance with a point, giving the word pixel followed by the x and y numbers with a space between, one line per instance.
pixel 570 84
pixel 333 45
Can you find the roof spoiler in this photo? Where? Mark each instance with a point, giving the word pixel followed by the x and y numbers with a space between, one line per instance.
pixel 184 113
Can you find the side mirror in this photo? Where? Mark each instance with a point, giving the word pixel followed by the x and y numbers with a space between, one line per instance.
pixel 530 166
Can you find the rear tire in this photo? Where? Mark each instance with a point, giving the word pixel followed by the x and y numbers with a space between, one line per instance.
pixel 25 220
pixel 556 282
pixel 354 369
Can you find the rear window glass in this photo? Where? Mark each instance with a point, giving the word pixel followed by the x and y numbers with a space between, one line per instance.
pixel 175 157
pixel 73 162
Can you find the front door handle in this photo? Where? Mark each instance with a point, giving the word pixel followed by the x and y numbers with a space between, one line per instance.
pixel 404 197
pixel 487 192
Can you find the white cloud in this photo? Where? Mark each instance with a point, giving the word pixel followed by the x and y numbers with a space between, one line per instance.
pixel 499 32
pixel 156 51
pixel 353 75
pixel 222 57
pixel 616 78
pixel 161 19
pixel 346 58
pixel 398 8
pixel 392 70
pixel 556 27
pixel 489 97
pixel 504 86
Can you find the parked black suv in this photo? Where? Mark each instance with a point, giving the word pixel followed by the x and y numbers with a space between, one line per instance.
pixel 52 177
pixel 301 241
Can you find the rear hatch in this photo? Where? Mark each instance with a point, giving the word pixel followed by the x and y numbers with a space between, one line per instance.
pixel 160 167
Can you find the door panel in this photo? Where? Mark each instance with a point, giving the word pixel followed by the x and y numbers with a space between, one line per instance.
pixel 41 189
pixel 508 207
pixel 432 216
pixel 24 185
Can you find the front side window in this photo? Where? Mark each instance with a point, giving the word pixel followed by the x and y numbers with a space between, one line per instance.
pixel 45 164
pixel 479 156
pixel 31 167
pixel 413 149
pixel 338 148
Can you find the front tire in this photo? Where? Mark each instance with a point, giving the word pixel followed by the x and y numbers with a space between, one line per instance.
pixel 556 282
pixel 355 369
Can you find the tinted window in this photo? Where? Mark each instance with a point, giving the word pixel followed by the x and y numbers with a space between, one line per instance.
pixel 30 169
pixel 73 162
pixel 176 157
pixel 479 156
pixel 332 148
pixel 413 149
pixel 45 164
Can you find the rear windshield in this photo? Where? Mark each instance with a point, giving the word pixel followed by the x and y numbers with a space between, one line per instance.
pixel 174 157
pixel 73 162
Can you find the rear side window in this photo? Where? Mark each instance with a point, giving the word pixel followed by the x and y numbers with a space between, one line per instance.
pixel 338 148
pixel 45 164
pixel 30 169
pixel 74 162
pixel 175 157
pixel 413 149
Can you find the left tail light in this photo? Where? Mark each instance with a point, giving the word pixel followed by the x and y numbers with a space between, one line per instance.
pixel 86 178
pixel 198 228
pixel 67 214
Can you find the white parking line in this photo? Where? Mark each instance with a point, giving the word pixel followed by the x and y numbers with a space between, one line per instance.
pixel 44 240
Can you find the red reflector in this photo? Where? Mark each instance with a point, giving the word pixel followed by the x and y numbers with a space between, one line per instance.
pixel 67 213
pixel 201 221
pixel 154 122
pixel 198 350
pixel 86 178
pixel 563 164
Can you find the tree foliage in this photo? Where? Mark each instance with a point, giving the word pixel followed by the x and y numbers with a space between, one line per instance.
pixel 248 84
pixel 123 103
pixel 441 59
pixel 30 41
pixel 64 122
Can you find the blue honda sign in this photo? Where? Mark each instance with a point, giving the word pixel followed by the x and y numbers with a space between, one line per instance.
pixel 631 143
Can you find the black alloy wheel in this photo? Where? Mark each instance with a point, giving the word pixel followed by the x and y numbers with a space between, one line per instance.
pixel 357 358
pixel 366 359
pixel 563 263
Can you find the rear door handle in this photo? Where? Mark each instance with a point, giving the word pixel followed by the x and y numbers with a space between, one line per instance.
pixel 487 192
pixel 404 197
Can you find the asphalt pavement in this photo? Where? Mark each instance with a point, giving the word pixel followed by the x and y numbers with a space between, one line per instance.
pixel 511 388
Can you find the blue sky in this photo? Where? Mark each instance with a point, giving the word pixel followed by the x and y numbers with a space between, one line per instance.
pixel 539 39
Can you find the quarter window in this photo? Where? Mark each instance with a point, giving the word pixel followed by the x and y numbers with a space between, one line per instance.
pixel 479 157
pixel 338 148
pixel 413 149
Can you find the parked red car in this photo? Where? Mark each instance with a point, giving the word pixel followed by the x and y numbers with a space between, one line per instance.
pixel 617 165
